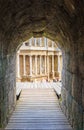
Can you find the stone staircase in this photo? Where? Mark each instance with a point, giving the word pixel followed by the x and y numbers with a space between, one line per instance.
pixel 38 109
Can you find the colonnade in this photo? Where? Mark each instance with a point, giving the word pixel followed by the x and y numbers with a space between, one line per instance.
pixel 42 66
pixel 40 42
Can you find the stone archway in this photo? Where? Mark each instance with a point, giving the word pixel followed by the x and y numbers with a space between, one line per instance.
pixel 60 21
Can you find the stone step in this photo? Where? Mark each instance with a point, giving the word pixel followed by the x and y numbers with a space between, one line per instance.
pixel 38 111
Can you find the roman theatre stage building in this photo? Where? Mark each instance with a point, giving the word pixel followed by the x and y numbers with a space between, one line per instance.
pixel 38 59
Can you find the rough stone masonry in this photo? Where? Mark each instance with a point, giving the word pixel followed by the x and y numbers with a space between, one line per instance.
pixel 59 20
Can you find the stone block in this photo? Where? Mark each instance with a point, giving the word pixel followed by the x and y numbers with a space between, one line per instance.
pixel 83 120
pixel 68 81
pixel 3 113
pixel 77 88
pixel 67 60
pixel 0 112
pixel 83 94
pixel 81 64
pixel 63 96
pixel 60 20
pixel 69 106
pixel 1 66
pixel 11 99
pixel 63 77
pixel 7 89
pixel 77 116
pixel 1 89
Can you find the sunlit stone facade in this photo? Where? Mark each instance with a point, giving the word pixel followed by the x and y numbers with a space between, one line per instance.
pixel 39 59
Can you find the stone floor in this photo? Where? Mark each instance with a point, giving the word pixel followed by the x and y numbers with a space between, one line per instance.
pixel 38 84
pixel 23 85
pixel 38 109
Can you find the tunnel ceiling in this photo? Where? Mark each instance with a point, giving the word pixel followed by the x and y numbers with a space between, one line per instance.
pixel 55 19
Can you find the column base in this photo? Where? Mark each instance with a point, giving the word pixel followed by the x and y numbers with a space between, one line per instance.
pixel 57 75
pixel 18 79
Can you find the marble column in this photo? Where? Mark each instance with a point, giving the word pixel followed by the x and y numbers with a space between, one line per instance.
pixel 45 42
pixel 35 64
pixel 52 44
pixel 35 41
pixel 40 40
pixel 40 65
pixel 30 65
pixel 24 64
pixel 48 67
pixel 30 42
pixel 59 70
pixel 59 63
pixel 45 64
pixel 18 66
pixel 52 66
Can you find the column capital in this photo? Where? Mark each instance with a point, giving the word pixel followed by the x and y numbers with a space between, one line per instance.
pixel 30 55
pixel 24 55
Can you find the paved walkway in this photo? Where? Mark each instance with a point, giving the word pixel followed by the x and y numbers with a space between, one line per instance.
pixel 38 109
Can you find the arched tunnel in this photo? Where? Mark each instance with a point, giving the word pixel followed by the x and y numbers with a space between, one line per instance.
pixel 63 22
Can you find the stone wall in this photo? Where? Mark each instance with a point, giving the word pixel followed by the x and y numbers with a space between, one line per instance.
pixel 72 87
pixel 7 87
pixel 60 20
